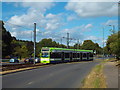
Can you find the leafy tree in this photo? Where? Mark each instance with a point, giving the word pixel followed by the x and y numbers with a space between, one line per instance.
pixel 62 46
pixel 21 51
pixel 6 42
pixel 77 46
pixel 29 45
pixel 89 45
pixel 113 44
pixel 47 43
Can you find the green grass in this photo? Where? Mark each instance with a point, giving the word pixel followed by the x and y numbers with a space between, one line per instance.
pixel 95 79
pixel 108 60
pixel 83 81
pixel 96 83
pixel 98 68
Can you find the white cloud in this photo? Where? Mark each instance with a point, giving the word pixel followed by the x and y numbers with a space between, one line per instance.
pixel 101 42
pixel 34 14
pixel 60 1
pixel 72 17
pixel 93 9
pixel 49 22
pixel 14 28
pixel 50 15
pixel 39 6
pixel 88 26
pixel 53 21
pixel 94 38
pixel 14 34
pixel 26 19
pixel 82 28
pixel 111 22
pixel 77 32
pixel 22 34
pixel 51 26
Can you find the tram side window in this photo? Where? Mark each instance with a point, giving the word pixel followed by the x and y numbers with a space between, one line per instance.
pixel 78 55
pixel 91 55
pixel 55 55
pixel 74 55
pixel 71 54
pixel 88 54
pixel 67 55
pixel 84 55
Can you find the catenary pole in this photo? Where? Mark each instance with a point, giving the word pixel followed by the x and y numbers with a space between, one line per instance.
pixel 67 40
pixel 31 36
pixel 34 42
pixel 78 44
pixel 103 42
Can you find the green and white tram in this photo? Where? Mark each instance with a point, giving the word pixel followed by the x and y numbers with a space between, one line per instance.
pixel 57 55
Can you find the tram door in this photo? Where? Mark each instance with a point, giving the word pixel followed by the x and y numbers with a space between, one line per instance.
pixel 87 56
pixel 63 56
pixel 80 56
pixel 71 56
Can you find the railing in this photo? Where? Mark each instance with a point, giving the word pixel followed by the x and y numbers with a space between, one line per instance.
pixel 4 60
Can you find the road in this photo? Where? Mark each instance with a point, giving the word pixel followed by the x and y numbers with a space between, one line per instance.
pixel 67 75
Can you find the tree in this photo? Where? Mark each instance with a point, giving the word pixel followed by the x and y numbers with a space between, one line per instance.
pixel 29 45
pixel 113 44
pixel 6 41
pixel 77 46
pixel 89 45
pixel 21 51
pixel 47 43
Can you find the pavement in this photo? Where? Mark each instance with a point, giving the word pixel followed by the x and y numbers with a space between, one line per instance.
pixel 111 74
pixel 10 63
pixel 66 75
pixel 7 63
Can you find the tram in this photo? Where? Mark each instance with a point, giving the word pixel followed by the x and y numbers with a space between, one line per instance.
pixel 59 55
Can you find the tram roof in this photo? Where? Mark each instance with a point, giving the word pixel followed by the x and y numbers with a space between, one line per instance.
pixel 54 48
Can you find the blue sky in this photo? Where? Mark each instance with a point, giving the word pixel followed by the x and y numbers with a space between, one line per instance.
pixel 54 19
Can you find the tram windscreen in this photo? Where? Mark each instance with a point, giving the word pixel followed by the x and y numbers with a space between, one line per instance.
pixel 45 49
pixel 44 55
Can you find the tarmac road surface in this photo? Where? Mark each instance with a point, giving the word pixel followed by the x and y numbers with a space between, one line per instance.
pixel 66 75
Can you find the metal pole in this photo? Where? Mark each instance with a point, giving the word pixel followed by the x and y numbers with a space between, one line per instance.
pixel 34 41
pixel 113 29
pixel 67 40
pixel 31 35
pixel 61 42
pixel 103 43
pixel 78 44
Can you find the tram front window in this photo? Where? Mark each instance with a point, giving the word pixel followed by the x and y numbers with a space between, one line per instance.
pixel 44 54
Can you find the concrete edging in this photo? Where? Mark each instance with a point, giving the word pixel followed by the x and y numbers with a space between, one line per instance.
pixel 19 70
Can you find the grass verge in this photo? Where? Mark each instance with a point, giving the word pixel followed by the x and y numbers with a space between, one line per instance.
pixel 95 79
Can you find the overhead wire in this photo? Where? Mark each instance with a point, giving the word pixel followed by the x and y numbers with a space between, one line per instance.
pixel 58 37
pixel 16 25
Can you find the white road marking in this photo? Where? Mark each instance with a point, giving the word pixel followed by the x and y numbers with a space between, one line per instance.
pixel 30 83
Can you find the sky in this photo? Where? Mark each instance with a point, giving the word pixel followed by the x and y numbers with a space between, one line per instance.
pixel 82 20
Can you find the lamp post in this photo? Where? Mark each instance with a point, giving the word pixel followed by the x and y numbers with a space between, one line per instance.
pixel 113 28
pixel 103 43
pixel 34 42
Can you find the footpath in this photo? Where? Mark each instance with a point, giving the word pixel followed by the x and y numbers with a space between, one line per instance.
pixel 112 74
